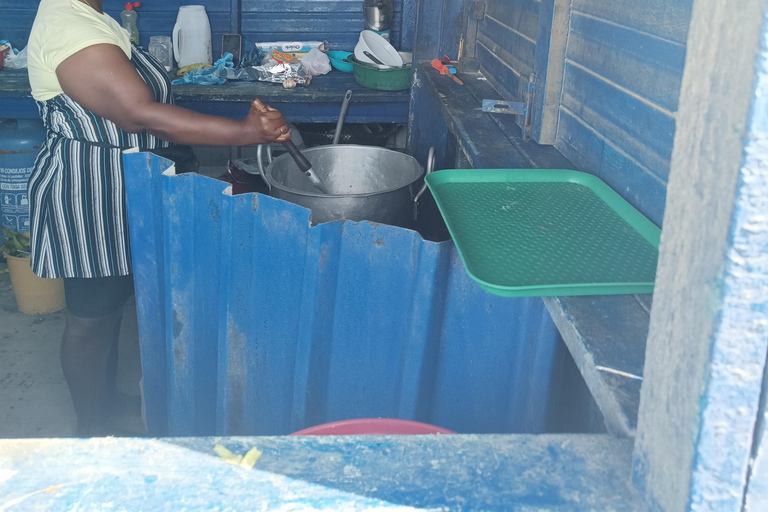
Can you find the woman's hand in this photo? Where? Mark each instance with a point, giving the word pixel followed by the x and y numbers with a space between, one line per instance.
pixel 266 123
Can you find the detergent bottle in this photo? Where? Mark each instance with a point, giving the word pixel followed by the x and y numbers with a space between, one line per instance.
pixel 129 20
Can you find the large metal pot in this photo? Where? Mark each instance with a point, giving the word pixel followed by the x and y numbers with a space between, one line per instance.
pixel 365 183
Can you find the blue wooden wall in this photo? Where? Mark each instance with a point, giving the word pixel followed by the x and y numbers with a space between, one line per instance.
pixel 155 18
pixel 506 43
pixel 16 17
pixel 337 21
pixel 624 63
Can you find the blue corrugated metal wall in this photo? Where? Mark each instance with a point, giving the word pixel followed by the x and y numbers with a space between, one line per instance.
pixel 253 322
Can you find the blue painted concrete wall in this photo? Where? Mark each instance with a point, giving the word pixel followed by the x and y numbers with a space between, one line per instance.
pixel 337 21
pixel 253 322
pixel 624 64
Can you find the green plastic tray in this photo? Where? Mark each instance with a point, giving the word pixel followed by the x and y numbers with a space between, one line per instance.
pixel 529 233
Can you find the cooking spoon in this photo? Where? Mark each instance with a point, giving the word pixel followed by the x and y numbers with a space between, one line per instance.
pixel 301 161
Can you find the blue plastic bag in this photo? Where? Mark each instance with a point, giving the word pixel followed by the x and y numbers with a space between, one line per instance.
pixel 218 74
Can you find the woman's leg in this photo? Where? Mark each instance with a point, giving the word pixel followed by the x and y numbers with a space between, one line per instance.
pixel 85 349
pixel 89 347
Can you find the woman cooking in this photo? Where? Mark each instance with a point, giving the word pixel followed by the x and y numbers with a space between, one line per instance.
pixel 98 95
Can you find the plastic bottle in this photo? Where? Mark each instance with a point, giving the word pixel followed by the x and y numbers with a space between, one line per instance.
pixel 161 48
pixel 129 20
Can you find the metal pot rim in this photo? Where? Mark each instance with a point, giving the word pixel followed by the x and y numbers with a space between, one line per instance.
pixel 274 184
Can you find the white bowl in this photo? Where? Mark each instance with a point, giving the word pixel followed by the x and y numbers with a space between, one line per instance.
pixel 378 47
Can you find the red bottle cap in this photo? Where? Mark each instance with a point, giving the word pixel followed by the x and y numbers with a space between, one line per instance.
pixel 131 6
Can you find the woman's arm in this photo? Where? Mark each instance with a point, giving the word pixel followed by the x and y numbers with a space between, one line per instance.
pixel 103 80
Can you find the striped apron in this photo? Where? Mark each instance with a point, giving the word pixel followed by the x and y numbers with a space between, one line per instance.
pixel 79 226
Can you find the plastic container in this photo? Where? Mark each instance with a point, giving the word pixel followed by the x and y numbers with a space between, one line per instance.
pixel 373 427
pixel 161 48
pixel 375 45
pixel 192 37
pixel 20 143
pixel 34 295
pixel 128 16
pixel 382 79
pixel 379 15
pixel 339 61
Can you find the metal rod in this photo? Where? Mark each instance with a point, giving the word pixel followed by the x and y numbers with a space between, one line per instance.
pixel 342 117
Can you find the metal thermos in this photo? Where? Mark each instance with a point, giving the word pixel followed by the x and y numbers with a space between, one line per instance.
pixel 379 15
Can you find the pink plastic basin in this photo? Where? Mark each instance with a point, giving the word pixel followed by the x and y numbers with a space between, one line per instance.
pixel 373 427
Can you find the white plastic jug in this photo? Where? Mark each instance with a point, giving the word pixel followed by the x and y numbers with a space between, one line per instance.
pixel 192 36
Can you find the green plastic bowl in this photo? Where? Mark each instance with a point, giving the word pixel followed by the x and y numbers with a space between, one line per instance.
pixel 380 78
pixel 338 61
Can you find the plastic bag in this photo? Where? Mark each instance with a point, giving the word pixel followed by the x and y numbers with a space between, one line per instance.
pixel 316 63
pixel 14 59
pixel 218 74
pixel 277 71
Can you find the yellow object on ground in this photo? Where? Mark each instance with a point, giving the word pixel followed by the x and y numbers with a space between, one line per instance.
pixel 250 458
pixel 245 462
pixel 34 295
pixel 227 456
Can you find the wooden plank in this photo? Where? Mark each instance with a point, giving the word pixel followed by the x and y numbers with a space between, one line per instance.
pixel 340 29
pixel 521 16
pixel 708 337
pixel 450 29
pixel 15 23
pixel 404 473
pixel 318 103
pixel 505 79
pixel 338 22
pixel 606 337
pixel 664 18
pixel 506 44
pixel 156 18
pixel 511 47
pixel 643 64
pixel 549 63
pixel 591 152
pixel 645 133
pixel 438 28
pixel 408 24
pixel 305 6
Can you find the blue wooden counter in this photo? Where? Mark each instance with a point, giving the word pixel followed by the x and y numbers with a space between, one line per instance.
pixel 318 103
pixel 605 335
pixel 457 473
